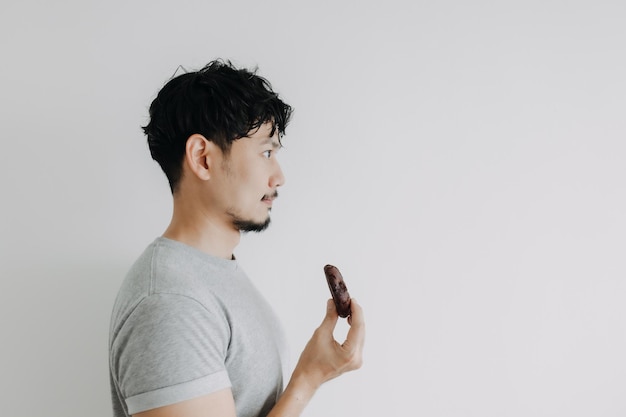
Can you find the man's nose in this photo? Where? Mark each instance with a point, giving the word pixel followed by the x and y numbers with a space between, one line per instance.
pixel 278 178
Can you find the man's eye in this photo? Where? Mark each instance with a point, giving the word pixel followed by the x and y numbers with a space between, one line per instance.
pixel 268 154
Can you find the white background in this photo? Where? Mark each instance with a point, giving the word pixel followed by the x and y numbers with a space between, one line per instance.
pixel 462 163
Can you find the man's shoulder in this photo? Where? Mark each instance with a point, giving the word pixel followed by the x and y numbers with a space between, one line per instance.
pixel 166 279
pixel 170 267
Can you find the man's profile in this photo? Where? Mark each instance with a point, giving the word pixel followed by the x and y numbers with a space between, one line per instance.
pixel 190 334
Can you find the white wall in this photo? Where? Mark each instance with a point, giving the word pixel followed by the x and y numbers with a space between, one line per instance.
pixel 463 163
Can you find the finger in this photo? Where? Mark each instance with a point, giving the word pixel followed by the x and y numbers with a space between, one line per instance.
pixel 356 335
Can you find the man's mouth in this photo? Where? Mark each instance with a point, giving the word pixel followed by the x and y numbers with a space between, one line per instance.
pixel 268 198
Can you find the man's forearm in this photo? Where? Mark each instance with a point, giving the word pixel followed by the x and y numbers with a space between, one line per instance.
pixel 294 399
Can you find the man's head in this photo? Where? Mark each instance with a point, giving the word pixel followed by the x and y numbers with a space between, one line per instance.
pixel 220 103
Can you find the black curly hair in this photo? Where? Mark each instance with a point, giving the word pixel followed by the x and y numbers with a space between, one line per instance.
pixel 220 102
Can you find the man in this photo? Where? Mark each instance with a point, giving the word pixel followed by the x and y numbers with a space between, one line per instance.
pixel 190 335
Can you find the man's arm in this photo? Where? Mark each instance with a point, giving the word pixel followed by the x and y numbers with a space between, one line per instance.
pixel 218 403
pixel 323 359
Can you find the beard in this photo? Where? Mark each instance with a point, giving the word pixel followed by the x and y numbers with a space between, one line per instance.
pixel 250 225
pixel 244 225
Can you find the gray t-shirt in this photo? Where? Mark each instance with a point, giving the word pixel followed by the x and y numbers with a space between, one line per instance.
pixel 186 324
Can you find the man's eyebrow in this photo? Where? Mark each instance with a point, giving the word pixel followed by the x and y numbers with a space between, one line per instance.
pixel 275 142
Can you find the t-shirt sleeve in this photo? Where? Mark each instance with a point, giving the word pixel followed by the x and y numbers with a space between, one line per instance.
pixel 170 349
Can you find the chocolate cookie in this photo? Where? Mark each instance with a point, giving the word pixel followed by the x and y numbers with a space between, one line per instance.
pixel 338 290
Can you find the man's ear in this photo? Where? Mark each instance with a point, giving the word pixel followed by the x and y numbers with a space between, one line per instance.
pixel 200 155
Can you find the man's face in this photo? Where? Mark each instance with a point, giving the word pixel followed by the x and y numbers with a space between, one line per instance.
pixel 250 177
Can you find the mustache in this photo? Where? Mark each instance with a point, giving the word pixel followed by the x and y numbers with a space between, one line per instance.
pixel 270 196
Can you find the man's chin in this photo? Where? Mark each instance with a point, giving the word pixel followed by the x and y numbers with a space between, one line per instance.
pixel 251 226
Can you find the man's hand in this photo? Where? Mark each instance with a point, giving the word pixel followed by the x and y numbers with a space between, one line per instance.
pixel 323 357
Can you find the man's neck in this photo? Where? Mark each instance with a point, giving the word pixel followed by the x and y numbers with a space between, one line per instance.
pixel 202 232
